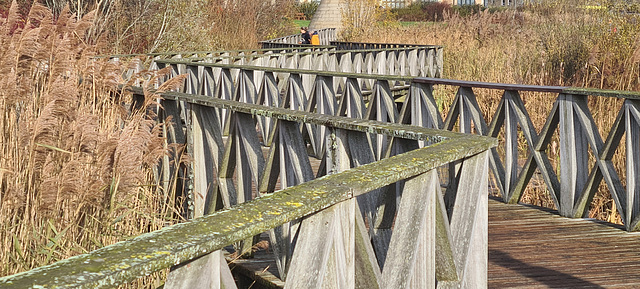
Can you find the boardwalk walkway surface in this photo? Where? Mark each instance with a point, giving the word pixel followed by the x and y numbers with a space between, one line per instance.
pixel 532 247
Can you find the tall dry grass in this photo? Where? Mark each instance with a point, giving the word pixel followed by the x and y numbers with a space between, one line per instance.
pixel 547 44
pixel 75 165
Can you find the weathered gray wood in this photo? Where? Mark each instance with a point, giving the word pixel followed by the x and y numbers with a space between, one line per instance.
pixel 632 127
pixel 381 108
pixel 311 266
pixel 367 271
pixel 511 148
pixel 469 222
pixel 445 265
pixel 379 206
pixel 410 263
pixel 295 98
pixel 540 160
pixel 208 152
pixel 573 155
pixel 467 111
pixel 322 100
pixel 581 206
pixel 226 90
pixel 267 96
pixel 329 261
pixel 172 130
pixel 414 70
pixel 192 82
pixel 421 107
pixel 215 231
pixel 351 104
pixel 210 271
pixel 208 84
pixel 344 242
pixel 207 272
pixel 618 192
pixel 249 164
pixel 497 122
pixel 290 150
pixel 531 137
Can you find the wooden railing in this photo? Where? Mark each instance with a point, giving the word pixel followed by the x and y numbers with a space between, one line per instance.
pixel 571 186
pixel 326 36
pixel 426 60
pixel 574 183
pixel 384 224
pixel 344 45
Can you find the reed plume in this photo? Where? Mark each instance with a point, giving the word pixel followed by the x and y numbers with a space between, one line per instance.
pixel 75 163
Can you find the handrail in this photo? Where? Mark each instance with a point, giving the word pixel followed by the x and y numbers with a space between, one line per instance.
pixel 343 45
pixel 535 88
pixel 573 188
pixel 170 54
pixel 286 70
pixel 125 261
pixel 573 185
pixel 326 35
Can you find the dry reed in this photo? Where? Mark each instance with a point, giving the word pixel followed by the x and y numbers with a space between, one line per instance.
pixel 75 165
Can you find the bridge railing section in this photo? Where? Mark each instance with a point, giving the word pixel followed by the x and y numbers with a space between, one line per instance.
pixel 426 61
pixel 423 61
pixel 136 63
pixel 393 223
pixel 585 159
pixel 304 90
pixel 344 45
pixel 326 36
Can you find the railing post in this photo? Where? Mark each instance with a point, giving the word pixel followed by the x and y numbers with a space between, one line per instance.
pixel 211 270
pixel 632 127
pixel 574 167
pixel 410 261
pixel 469 224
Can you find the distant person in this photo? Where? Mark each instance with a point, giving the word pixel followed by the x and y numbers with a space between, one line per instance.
pixel 315 38
pixel 306 38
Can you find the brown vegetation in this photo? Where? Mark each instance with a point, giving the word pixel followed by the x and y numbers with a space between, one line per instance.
pixel 77 166
pixel 73 160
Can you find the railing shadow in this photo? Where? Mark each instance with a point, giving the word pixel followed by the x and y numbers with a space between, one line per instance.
pixel 546 276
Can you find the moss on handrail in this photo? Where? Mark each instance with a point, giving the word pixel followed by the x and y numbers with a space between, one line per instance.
pixel 154 251
pixel 390 129
pixel 603 92
pixel 140 256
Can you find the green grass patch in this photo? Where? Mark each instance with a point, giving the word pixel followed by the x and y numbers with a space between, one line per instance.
pixel 302 23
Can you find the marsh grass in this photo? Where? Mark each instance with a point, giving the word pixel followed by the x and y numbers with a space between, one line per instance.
pixel 552 43
pixel 76 164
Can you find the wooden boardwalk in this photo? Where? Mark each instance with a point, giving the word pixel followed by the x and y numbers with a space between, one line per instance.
pixel 530 247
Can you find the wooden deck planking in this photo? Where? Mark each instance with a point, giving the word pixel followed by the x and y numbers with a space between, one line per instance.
pixel 532 247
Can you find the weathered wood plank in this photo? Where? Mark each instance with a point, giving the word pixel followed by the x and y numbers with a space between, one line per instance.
pixel 573 154
pixel 410 260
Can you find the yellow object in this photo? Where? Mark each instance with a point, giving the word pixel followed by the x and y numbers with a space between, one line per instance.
pixel 315 39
